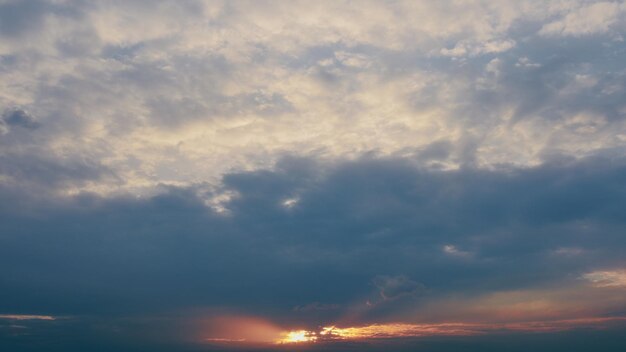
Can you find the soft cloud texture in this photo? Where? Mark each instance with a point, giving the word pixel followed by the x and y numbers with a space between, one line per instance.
pixel 182 92
pixel 295 164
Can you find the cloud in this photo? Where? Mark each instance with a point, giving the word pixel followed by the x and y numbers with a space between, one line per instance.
pixel 316 306
pixel 167 156
pixel 594 18
pixel 353 221
pixel 616 278
pixel 186 93
pixel 26 317
pixel 464 49
pixel 21 16
pixel 17 118
pixel 391 287
pixel 453 251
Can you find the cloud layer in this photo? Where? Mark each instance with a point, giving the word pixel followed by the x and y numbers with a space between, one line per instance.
pixel 181 93
pixel 309 163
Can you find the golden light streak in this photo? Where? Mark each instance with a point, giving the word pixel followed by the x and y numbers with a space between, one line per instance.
pixel 380 331
pixel 398 330
pixel 404 330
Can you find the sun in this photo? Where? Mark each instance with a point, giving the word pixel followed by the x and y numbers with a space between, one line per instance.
pixel 298 336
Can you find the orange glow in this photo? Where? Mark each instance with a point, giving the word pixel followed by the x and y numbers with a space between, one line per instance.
pixel 251 330
pixel 238 329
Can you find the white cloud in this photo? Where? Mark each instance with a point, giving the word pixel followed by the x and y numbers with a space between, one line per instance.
pixel 181 93
pixel 455 252
pixel 290 202
pixel 474 49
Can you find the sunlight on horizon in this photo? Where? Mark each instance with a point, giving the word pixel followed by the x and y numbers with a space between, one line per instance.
pixel 332 333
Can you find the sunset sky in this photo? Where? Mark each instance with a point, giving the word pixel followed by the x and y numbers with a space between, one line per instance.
pixel 319 175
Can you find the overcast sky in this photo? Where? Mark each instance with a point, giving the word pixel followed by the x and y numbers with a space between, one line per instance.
pixel 193 173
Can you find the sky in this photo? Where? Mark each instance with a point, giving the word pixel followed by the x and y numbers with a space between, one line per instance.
pixel 312 175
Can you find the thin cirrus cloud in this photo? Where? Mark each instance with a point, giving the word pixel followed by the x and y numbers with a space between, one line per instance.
pixel 309 164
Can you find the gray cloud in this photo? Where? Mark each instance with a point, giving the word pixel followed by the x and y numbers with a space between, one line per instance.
pixel 18 17
pixel 392 287
pixel 18 118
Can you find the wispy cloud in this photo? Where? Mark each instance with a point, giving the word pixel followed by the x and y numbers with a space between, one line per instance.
pixel 27 317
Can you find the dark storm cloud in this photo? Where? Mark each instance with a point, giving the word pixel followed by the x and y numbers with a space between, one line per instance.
pixel 372 221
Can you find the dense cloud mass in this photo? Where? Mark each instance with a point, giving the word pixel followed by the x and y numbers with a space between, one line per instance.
pixel 172 168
